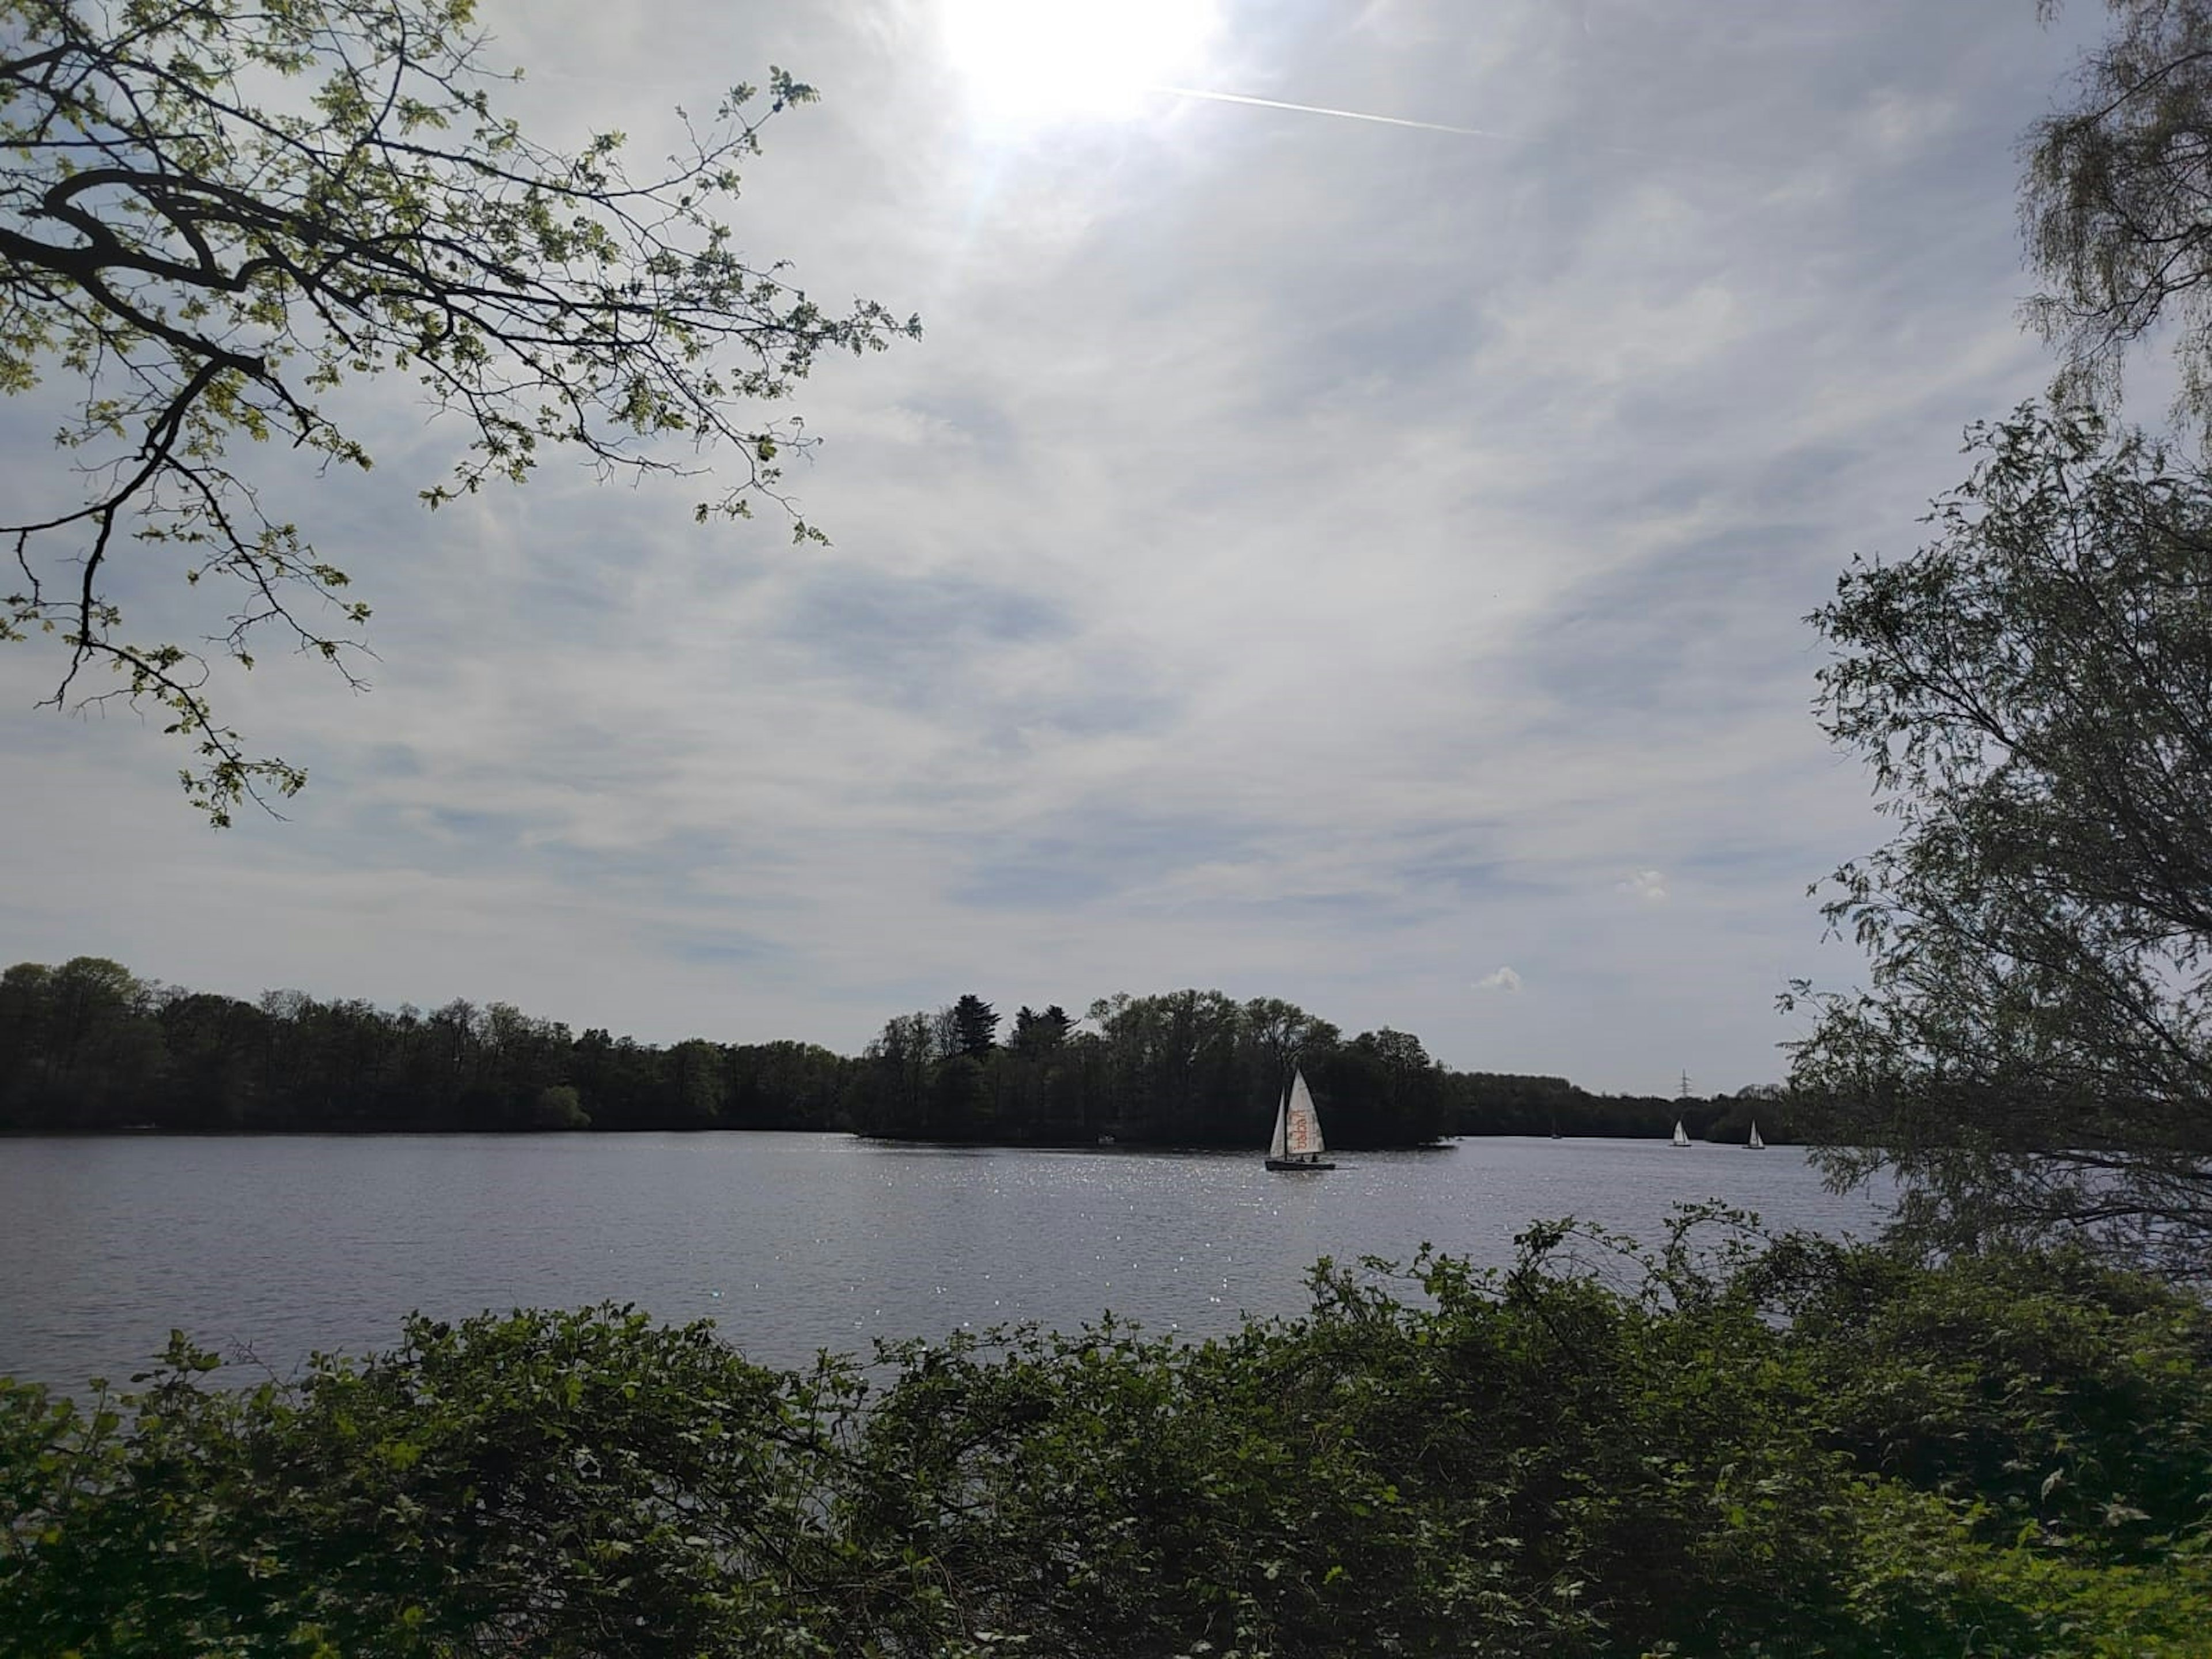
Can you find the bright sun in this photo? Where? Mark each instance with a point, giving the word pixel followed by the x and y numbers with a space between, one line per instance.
pixel 1031 61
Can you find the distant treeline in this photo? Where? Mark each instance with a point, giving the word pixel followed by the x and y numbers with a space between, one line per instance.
pixel 89 1046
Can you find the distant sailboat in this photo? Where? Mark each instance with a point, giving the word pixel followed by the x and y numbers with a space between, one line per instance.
pixel 1755 1143
pixel 1297 1143
pixel 1681 1135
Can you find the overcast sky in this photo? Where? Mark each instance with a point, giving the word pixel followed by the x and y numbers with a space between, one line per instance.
pixel 1353 563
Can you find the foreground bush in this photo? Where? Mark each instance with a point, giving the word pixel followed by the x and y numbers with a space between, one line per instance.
pixel 1804 1450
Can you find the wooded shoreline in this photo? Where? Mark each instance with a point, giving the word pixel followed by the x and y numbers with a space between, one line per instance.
pixel 88 1047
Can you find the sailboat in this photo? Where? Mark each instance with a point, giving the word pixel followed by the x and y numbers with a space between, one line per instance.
pixel 1755 1144
pixel 1681 1135
pixel 1297 1142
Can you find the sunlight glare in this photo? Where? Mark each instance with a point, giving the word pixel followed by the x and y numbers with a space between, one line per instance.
pixel 1033 61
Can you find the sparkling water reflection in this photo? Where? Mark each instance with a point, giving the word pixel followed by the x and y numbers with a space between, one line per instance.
pixel 277 1247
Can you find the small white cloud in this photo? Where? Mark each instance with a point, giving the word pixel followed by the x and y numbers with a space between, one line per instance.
pixel 1647 884
pixel 1504 981
pixel 1896 127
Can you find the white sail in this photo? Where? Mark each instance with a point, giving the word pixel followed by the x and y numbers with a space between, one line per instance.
pixel 1755 1143
pixel 1681 1135
pixel 1302 1123
pixel 1282 1117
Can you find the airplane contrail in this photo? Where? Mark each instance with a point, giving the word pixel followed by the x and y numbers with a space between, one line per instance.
pixel 1318 109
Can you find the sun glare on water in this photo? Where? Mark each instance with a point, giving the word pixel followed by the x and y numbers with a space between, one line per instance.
pixel 1030 62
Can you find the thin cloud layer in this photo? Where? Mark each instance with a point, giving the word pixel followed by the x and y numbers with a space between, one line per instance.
pixel 1301 556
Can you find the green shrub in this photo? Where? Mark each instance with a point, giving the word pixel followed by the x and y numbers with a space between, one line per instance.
pixel 2052 1392
pixel 1589 1454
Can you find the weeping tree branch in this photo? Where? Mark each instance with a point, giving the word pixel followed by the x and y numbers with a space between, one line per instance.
pixel 2116 205
pixel 2031 692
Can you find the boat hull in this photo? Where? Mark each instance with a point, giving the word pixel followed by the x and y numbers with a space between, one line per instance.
pixel 1299 1164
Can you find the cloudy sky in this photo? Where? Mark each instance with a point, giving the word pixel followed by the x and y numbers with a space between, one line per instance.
pixel 1355 563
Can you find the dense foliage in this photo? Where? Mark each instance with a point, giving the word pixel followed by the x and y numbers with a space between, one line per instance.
pixel 89 1046
pixel 215 218
pixel 2032 694
pixel 1589 1454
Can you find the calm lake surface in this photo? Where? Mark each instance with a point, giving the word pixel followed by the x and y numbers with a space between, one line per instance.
pixel 279 1246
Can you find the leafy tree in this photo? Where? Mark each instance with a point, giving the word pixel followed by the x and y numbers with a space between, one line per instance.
pixel 1175 1072
pixel 1391 1093
pixel 1282 1034
pixel 784 1085
pixel 695 1075
pixel 2032 693
pixel 214 216
pixel 212 1043
pixel 892 1095
pixel 2114 203
pixel 84 1052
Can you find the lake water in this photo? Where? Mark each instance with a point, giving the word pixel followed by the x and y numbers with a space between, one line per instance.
pixel 279 1246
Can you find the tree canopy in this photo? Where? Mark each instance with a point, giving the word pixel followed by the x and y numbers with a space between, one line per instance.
pixel 2032 694
pixel 215 215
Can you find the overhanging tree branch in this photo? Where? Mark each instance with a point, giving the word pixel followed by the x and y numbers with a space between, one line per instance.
pixel 224 262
